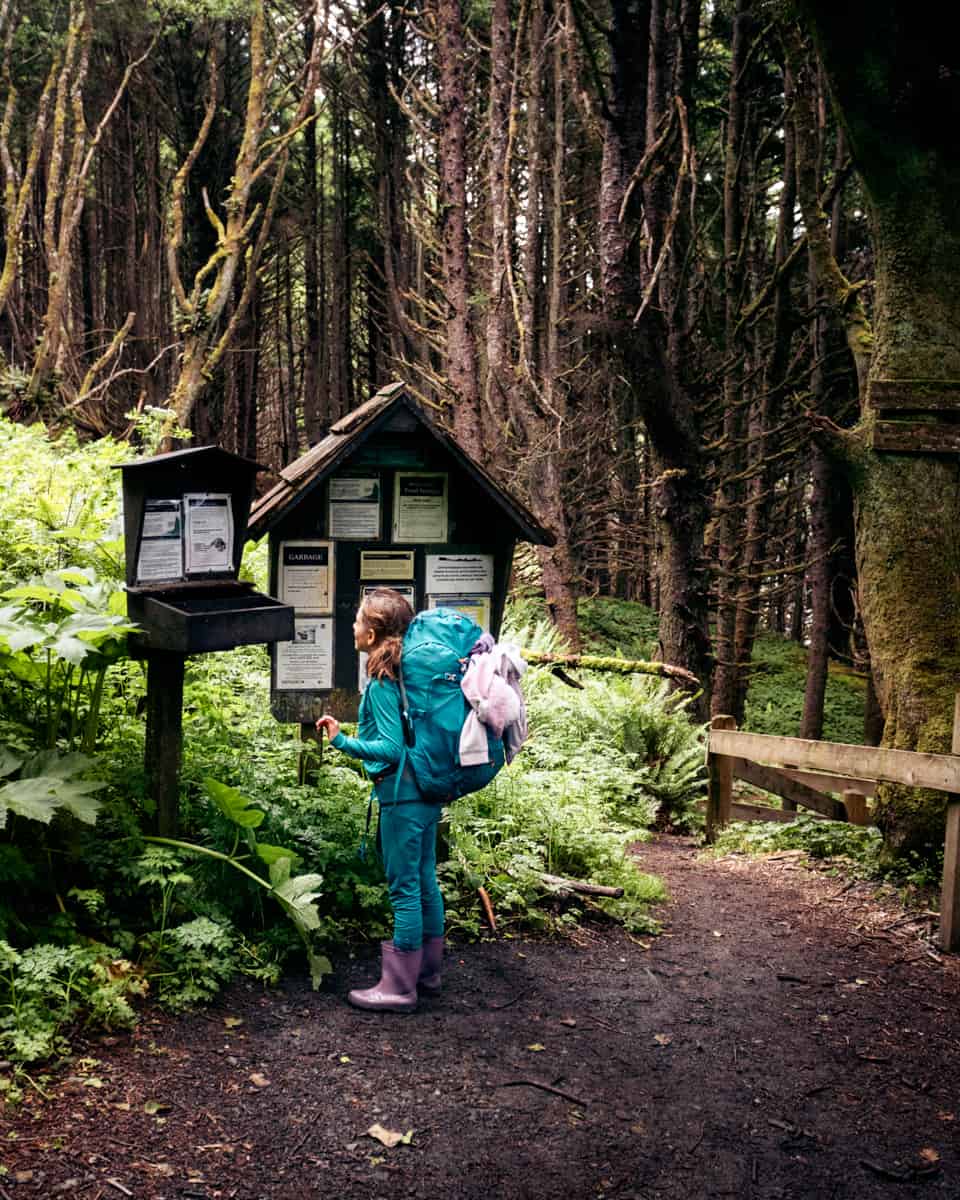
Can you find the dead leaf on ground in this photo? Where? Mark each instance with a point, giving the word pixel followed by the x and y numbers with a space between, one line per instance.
pixel 663 1039
pixel 153 1107
pixel 390 1137
pixel 161 1168
pixel 258 1079
pixel 929 1155
pixel 232 1022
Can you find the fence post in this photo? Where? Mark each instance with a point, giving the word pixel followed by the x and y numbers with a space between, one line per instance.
pixel 855 808
pixel 950 891
pixel 719 782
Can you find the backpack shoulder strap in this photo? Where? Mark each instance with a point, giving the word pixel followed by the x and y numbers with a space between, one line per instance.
pixel 408 734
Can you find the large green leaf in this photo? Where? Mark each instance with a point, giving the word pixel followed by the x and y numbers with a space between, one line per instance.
pixel 34 799
pixel 297 894
pixel 82 576
pixel 50 781
pixel 25 637
pixel 39 797
pixel 271 854
pixel 92 625
pixel 71 649
pixel 11 618
pixel 38 592
pixel 57 765
pixel 234 806
pixel 320 965
pixel 76 796
pixel 8 761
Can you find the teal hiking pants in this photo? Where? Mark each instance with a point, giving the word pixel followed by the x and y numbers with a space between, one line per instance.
pixel 408 839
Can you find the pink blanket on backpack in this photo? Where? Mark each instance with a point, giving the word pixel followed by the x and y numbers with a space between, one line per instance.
pixel 491 685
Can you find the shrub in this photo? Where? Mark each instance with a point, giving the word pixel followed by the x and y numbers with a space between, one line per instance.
pixel 600 765
pixel 47 987
pixel 859 845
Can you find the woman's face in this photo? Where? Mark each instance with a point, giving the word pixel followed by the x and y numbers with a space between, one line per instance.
pixel 363 635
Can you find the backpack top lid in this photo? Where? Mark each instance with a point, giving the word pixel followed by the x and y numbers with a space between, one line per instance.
pixel 444 626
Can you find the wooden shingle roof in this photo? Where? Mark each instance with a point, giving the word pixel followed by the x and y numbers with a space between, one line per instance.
pixel 300 478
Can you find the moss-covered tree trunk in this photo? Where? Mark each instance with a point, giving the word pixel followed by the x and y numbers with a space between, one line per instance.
pixel 908 554
pixel 895 77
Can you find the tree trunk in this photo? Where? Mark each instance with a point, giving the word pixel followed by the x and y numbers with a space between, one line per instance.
pixel 460 350
pixel 730 539
pixel 311 274
pixel 499 375
pixel 887 72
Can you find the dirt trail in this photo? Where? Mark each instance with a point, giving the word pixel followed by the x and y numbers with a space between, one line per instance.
pixel 782 1039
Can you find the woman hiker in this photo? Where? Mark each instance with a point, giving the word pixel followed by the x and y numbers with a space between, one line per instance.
pixel 408 824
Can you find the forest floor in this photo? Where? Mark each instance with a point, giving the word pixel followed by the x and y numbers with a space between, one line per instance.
pixel 787 1036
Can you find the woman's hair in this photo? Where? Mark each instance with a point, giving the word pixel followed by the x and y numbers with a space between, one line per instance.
pixel 388 614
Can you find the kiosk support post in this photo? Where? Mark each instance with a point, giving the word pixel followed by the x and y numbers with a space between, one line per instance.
pixel 163 751
pixel 311 754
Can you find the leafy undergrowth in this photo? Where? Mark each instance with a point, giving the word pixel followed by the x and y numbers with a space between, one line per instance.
pixel 775 696
pixel 853 851
pixel 96 915
pixel 95 912
pixel 856 845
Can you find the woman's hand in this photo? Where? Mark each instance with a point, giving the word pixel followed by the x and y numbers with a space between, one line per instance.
pixel 330 724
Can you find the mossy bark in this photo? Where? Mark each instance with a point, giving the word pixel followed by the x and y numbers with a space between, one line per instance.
pixel 895 78
pixel 908 558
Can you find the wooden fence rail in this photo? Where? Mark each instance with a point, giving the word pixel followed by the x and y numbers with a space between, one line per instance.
pixel 805 773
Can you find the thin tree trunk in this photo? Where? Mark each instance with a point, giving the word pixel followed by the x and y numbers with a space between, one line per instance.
pixel 729 537
pixel 460 353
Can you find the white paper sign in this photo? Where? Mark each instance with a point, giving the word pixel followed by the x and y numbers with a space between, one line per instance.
pixel 306 663
pixel 354 507
pixel 459 573
pixel 208 518
pixel 161 542
pixel 386 564
pixel 305 573
pixel 420 506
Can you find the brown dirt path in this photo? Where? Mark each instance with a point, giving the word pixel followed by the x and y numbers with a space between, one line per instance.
pixel 780 1041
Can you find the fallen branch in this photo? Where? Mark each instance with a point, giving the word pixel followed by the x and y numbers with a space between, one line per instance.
pixel 565 678
pixel 576 885
pixel 544 1087
pixel 487 908
pixel 625 666
pixel 909 1175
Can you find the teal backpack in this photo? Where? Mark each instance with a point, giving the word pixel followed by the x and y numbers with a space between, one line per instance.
pixel 434 658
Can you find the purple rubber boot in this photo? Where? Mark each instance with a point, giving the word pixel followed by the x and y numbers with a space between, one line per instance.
pixel 396 990
pixel 429 980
